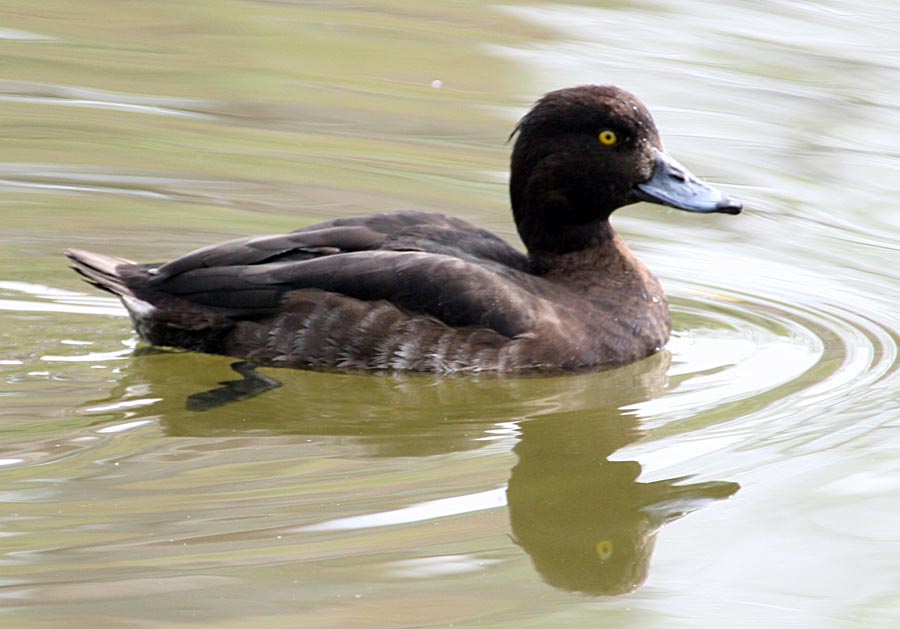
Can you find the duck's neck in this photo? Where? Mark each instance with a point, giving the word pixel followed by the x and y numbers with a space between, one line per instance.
pixel 592 246
pixel 605 266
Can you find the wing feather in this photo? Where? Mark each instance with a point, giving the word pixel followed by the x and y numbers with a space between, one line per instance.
pixel 452 290
pixel 401 231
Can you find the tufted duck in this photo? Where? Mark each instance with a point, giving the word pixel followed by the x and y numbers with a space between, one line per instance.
pixel 428 292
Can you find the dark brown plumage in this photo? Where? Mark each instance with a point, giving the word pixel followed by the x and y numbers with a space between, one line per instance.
pixel 428 292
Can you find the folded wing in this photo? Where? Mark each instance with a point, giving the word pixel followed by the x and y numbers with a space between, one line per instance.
pixel 421 263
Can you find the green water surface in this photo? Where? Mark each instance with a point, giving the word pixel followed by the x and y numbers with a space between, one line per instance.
pixel 748 476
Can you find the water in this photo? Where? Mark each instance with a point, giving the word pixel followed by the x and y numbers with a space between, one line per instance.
pixel 745 477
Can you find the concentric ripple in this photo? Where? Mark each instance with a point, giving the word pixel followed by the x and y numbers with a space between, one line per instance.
pixel 788 343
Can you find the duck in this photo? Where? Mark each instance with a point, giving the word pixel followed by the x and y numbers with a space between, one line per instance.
pixel 427 292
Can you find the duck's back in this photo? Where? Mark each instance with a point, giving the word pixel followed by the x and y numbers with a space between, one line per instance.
pixel 398 231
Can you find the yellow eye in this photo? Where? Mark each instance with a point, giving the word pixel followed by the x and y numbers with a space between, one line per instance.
pixel 604 549
pixel 607 137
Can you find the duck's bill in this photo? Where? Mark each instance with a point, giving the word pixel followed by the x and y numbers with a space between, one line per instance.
pixel 672 184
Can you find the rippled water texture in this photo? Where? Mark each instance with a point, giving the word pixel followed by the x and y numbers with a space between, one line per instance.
pixel 748 476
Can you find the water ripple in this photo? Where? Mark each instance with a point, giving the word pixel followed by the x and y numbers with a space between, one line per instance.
pixel 70 96
pixel 793 349
pixel 56 300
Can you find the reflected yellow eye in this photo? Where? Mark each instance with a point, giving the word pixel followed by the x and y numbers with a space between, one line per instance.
pixel 607 137
pixel 604 549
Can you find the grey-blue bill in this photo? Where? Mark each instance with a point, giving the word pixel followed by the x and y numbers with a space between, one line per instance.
pixel 674 185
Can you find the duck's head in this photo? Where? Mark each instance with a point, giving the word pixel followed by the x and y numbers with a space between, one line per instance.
pixel 585 151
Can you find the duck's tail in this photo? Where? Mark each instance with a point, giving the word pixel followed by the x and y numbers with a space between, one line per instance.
pixel 102 271
pixel 159 318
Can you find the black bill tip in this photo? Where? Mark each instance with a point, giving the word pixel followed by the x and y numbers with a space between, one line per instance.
pixel 729 206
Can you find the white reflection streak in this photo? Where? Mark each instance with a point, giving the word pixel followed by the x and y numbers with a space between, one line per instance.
pixel 10 183
pixel 121 354
pixel 126 426
pixel 16 34
pixel 431 510
pixel 38 289
pixel 34 306
pixel 120 406
pixel 59 300
pixel 100 104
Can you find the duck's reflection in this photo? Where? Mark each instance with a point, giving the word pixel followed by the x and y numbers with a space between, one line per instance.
pixel 588 523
